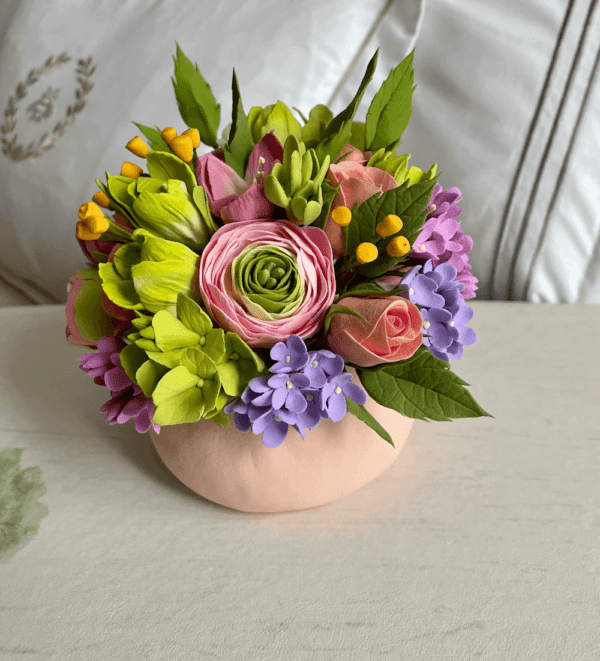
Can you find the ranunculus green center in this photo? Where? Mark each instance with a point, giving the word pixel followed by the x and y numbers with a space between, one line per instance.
pixel 268 282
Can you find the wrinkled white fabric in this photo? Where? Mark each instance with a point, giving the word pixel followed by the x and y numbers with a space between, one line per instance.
pixel 527 177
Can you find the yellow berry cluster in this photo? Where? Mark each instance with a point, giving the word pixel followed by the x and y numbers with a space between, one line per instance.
pixel 368 252
pixel 92 222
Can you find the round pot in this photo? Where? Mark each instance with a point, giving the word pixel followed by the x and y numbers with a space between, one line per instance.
pixel 234 468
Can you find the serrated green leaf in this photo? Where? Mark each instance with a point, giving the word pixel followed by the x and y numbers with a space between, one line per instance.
pixel 424 389
pixel 153 136
pixel 240 143
pixel 197 104
pixel 339 130
pixel 390 109
pixel 407 202
pixel 362 414
pixel 164 166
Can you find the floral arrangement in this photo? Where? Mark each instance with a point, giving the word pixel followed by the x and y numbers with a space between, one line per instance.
pixel 248 281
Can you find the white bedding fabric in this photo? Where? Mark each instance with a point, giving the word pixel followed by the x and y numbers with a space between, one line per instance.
pixel 506 103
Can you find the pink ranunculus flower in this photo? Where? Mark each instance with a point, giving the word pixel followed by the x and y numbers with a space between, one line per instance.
pixel 358 183
pixel 394 330
pixel 307 247
pixel 232 198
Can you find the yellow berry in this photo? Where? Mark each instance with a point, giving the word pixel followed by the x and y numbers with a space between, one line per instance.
pixel 341 216
pixel 194 135
pixel 366 252
pixel 398 246
pixel 168 134
pixel 182 147
pixel 130 170
pixel 93 223
pixel 89 209
pixel 389 225
pixel 138 147
pixel 101 199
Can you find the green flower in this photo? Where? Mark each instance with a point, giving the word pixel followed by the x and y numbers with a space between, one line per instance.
pixel 149 273
pixel 268 282
pixel 189 368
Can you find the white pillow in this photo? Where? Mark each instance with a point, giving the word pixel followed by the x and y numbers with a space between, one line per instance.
pixel 293 51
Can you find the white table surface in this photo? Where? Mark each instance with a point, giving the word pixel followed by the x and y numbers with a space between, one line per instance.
pixel 482 541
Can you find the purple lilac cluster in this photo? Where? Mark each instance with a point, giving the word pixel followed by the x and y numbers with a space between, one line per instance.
pixel 442 239
pixel 304 387
pixel 436 290
pixel 127 399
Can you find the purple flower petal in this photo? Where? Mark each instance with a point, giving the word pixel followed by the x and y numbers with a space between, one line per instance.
pixel 274 434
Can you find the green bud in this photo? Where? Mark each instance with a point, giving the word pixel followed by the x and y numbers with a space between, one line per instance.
pixel 296 184
pixel 277 118
pixel 167 209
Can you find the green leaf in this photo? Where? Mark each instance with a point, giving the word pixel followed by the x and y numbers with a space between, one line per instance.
pixel 390 109
pixel 127 256
pixel 164 166
pixel 407 202
pixel 424 389
pixel 362 414
pixel 339 130
pixel 197 104
pixel 148 375
pixel 358 136
pixel 20 509
pixel 153 136
pixel 219 416
pixel 132 358
pixel 240 143
pixel 339 309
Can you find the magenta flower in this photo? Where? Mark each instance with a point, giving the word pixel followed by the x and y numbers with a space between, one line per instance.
pixel 442 239
pixel 232 198
pixel 127 399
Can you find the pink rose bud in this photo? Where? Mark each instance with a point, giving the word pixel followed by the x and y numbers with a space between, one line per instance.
pixel 394 330
pixel 357 184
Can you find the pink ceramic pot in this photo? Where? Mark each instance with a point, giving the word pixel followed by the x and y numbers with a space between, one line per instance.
pixel 235 469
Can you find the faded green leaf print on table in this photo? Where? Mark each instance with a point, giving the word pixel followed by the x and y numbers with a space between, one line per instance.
pixel 20 510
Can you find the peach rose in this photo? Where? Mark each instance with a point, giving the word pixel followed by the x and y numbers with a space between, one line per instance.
pixel 394 330
pixel 357 184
